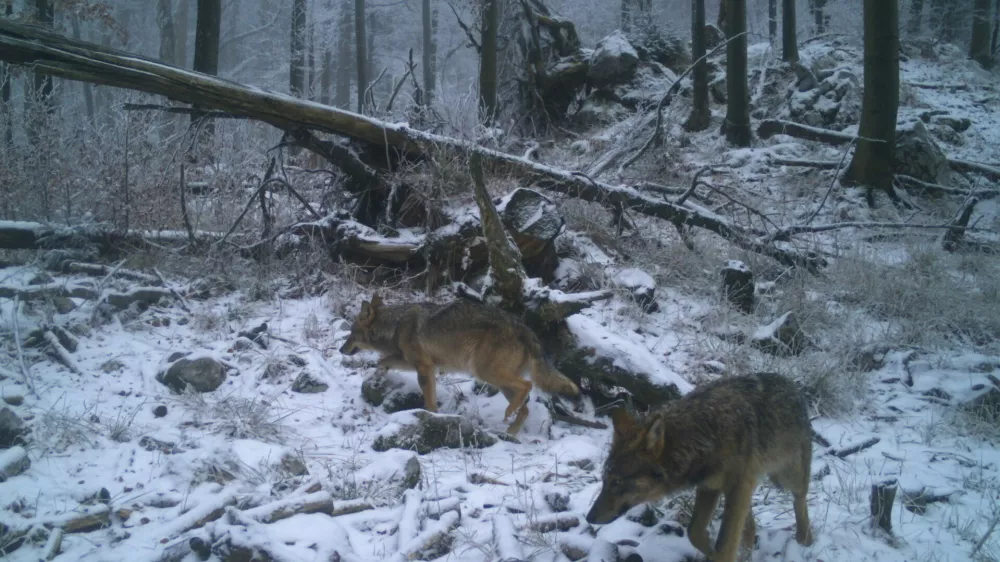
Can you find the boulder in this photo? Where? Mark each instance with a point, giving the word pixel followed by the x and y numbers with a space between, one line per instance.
pixel 308 384
pixel 534 222
pixel 204 374
pixel 13 461
pixel 640 285
pixel 738 286
pixel 12 429
pixel 423 432
pixel 781 337
pixel 713 37
pixel 393 392
pixel 918 155
pixel 614 60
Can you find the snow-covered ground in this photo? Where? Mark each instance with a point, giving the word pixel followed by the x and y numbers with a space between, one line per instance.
pixel 225 466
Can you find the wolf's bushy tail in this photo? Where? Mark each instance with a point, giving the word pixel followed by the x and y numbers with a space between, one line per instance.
pixel 544 374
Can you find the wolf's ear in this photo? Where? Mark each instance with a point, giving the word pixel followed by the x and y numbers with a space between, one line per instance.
pixel 655 437
pixel 366 311
pixel 625 425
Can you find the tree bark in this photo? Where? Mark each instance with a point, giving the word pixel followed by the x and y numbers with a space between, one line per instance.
pixel 819 16
pixel 342 98
pixel 5 87
pixel 916 16
pixel 360 52
pixel 737 123
pixel 872 162
pixel 789 42
pixel 506 267
pixel 701 113
pixel 429 51
pixel 43 85
pixel 721 21
pixel 181 30
pixel 297 68
pixel 206 46
pixel 772 20
pixel 979 46
pixel 488 60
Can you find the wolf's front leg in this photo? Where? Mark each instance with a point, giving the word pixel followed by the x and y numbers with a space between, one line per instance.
pixel 427 379
pixel 734 516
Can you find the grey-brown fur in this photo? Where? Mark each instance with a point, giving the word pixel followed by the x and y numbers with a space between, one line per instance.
pixel 720 438
pixel 486 342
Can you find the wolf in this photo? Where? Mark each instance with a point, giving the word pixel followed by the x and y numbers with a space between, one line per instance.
pixel 488 343
pixel 719 439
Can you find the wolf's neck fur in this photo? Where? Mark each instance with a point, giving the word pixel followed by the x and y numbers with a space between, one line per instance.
pixel 675 438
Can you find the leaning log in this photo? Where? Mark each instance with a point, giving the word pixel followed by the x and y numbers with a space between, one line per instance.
pixel 770 127
pixel 50 53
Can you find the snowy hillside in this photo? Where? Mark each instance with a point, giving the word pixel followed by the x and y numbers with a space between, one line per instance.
pixel 283 454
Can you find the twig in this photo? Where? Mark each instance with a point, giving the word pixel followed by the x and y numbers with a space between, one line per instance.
pixel 819 164
pixel 786 233
pixel 25 372
pixel 668 97
pixel 848 451
pixel 694 183
pixel 833 181
pixel 468 32
pixel 982 541
pixel 368 91
pixel 180 299
pixel 184 209
pixel 560 414
pixel 410 67
pixel 62 352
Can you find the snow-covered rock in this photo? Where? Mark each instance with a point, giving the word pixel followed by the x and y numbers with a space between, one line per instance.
pixel 203 374
pixel 917 154
pixel 614 59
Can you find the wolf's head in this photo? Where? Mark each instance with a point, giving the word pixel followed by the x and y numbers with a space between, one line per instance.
pixel 634 472
pixel 361 329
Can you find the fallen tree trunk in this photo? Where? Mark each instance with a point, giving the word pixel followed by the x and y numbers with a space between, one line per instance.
pixel 53 54
pixel 770 127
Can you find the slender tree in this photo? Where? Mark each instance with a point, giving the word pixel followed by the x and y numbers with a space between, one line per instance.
pixel 700 112
pixel 916 15
pixel 772 20
pixel 297 69
pixel 5 85
pixel 488 60
pixel 720 22
pixel 737 124
pixel 345 36
pixel 43 83
pixel 996 29
pixel 429 51
pixel 819 16
pixel 361 51
pixel 872 162
pixel 979 46
pixel 206 45
pixel 943 19
pixel 789 42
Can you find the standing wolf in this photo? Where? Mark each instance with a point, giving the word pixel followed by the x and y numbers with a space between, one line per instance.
pixel 486 342
pixel 719 438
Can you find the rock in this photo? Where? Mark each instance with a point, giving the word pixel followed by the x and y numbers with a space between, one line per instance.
pixel 80 329
pixel 160 411
pixel 557 501
pixel 165 447
pixel 144 296
pixel 661 46
pixel 294 466
pixel 411 474
pixel 986 406
pixel 393 392
pixel 204 374
pixel 112 365
pixel 871 358
pixel 917 154
pixel 307 384
pixel 41 278
pixel 423 432
pixel 713 37
pixel 64 305
pixel 242 344
pixel 781 337
pixel 534 221
pixel 12 429
pixel 833 102
pixel 614 60
pixel 14 399
pixel 177 355
pixel 717 88
pixel 641 286
pixel 738 285
pixel 13 461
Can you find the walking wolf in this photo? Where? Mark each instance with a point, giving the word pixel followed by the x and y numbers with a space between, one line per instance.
pixel 486 342
pixel 720 439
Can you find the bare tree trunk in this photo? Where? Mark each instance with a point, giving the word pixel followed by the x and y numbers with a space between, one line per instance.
pixel 701 114
pixel 979 46
pixel 6 77
pixel 872 162
pixel 772 20
pixel 88 92
pixel 296 74
pixel 996 29
pixel 181 30
pixel 819 16
pixel 43 84
pixel 916 15
pixel 737 123
pixel 429 52
pixel 168 37
pixel 311 77
pixel 206 45
pixel 626 15
pixel 360 51
pixel 720 22
pixel 789 42
pixel 342 98
pixel 488 60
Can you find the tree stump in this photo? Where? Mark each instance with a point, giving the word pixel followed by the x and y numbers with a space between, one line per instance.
pixel 883 496
pixel 738 286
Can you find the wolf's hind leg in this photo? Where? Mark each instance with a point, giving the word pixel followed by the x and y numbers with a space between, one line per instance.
pixel 517 395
